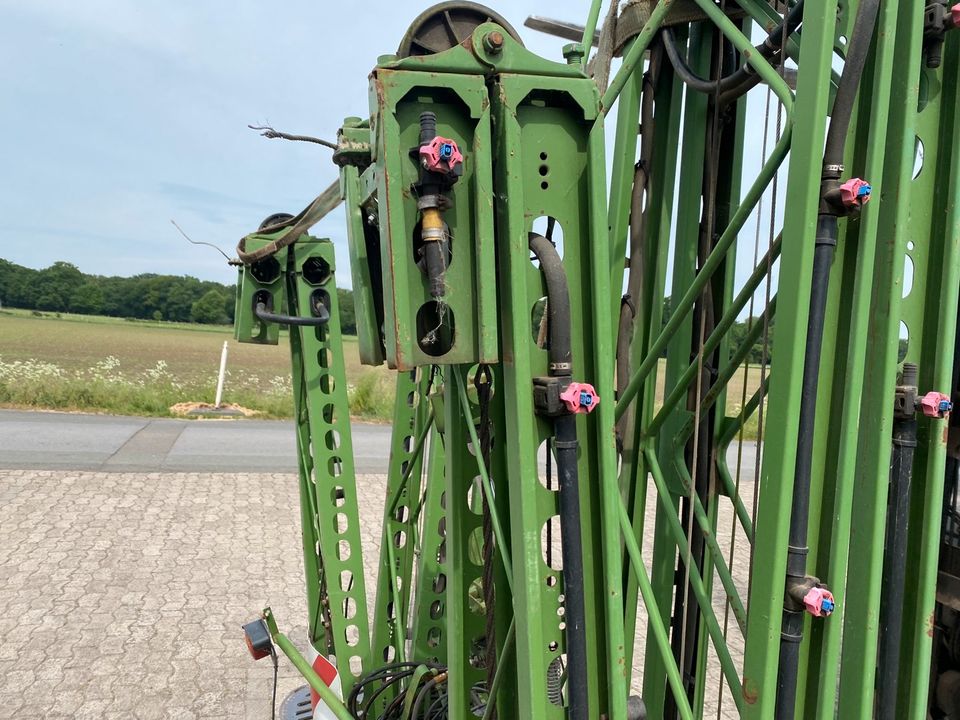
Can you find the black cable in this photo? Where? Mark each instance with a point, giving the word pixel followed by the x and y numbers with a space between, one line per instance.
pixel 276 673
pixel 389 676
pixel 483 382
pixel 371 677
pixel 424 691
pixel 394 680
pixel 743 78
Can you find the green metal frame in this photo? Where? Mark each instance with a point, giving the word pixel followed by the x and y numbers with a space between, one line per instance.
pixel 532 133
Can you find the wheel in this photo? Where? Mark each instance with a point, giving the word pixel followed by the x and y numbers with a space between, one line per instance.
pixel 274 219
pixel 446 25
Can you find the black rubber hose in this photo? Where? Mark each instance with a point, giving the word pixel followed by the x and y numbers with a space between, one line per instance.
pixel 322 318
pixel 743 75
pixel 428 127
pixel 791 632
pixel 558 304
pixel 826 239
pixel 895 555
pixel 565 447
pixel 433 255
pixel 433 250
pixel 853 65
pixel 571 549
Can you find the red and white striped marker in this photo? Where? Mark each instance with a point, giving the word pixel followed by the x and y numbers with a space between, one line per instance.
pixel 327 671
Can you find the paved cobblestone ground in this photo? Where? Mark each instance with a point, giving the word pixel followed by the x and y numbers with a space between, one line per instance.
pixel 124 593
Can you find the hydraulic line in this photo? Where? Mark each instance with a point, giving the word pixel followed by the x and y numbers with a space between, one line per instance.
pixel 826 240
pixel 432 229
pixel 895 546
pixel 638 223
pixel 565 448
pixel 735 84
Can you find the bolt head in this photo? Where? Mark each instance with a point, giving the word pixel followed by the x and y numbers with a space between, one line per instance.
pixel 574 53
pixel 493 42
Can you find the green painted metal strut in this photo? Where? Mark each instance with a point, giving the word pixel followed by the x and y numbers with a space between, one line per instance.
pixel 470 582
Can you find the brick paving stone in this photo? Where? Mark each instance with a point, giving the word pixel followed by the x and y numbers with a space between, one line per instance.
pixel 124 593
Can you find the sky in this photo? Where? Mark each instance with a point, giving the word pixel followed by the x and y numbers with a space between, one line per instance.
pixel 120 115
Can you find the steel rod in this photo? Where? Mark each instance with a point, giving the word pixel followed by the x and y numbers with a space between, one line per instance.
pixel 327 696
pixel 713 342
pixel 414 457
pixel 723 570
pixel 726 436
pixel 505 651
pixel 704 600
pixel 710 266
pixel 653 615
pixel 590 29
pixel 727 372
pixel 485 480
pixel 723 471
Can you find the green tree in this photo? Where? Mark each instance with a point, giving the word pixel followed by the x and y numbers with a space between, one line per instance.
pixel 87 299
pixel 348 316
pixel 209 309
pixel 56 285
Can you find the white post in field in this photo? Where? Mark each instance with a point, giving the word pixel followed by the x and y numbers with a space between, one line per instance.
pixel 223 370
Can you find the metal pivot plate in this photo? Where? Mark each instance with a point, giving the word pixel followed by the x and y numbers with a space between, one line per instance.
pixel 296 705
pixel 446 25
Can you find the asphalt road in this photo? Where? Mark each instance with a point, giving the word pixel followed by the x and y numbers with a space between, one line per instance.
pixel 68 441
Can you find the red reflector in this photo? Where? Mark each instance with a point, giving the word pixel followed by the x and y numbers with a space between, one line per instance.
pixel 254 652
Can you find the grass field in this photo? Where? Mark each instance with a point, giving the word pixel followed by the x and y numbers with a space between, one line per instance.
pixel 80 362
pixel 138 367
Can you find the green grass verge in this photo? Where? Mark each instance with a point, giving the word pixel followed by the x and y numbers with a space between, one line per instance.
pixel 111 365
pixel 140 367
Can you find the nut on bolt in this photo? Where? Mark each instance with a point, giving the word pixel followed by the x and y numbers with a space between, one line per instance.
pixel 493 42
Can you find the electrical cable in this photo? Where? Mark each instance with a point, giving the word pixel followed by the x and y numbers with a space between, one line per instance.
pixel 276 676
pixel 424 691
pixel 361 700
pixel 483 383
pixel 268 132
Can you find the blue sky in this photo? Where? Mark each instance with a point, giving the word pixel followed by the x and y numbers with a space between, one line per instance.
pixel 122 114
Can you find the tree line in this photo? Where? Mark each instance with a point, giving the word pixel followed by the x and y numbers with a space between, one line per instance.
pixel 62 287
